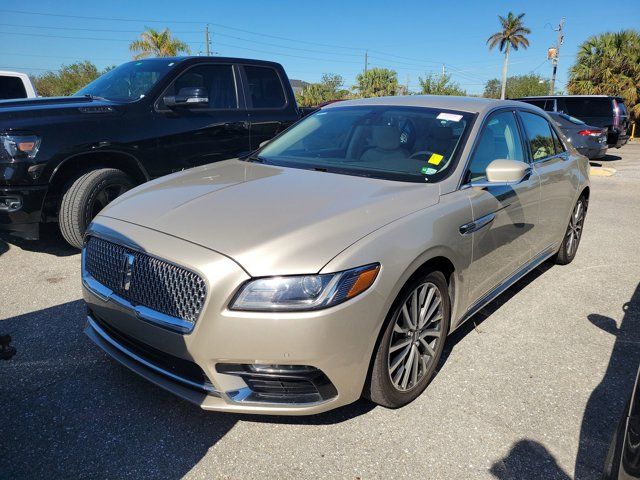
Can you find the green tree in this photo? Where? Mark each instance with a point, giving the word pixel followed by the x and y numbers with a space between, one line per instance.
pixel 512 35
pixel 156 43
pixel 377 82
pixel 433 84
pixel 329 88
pixel 68 80
pixel 518 86
pixel 609 64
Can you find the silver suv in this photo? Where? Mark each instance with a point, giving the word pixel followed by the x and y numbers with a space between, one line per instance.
pixel 333 262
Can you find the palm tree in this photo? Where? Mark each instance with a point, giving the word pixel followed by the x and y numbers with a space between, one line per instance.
pixel 155 43
pixel 609 64
pixel 512 35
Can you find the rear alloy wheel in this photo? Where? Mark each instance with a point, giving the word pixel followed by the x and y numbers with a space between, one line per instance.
pixel 572 236
pixel 412 344
pixel 85 197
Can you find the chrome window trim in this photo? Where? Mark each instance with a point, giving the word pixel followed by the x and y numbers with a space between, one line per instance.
pixel 105 336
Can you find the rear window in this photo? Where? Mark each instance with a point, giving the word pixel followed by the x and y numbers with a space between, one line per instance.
pixel 12 87
pixel 265 87
pixel 588 107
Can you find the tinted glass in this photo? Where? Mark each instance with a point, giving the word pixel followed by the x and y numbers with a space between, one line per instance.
pixel 557 144
pixel 128 82
pixel 12 87
pixel 588 107
pixel 539 134
pixel 398 143
pixel 217 80
pixel 265 87
pixel 499 139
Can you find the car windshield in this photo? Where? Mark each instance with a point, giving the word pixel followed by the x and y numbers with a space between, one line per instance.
pixel 412 144
pixel 128 82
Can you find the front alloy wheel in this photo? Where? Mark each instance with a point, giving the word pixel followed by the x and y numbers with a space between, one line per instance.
pixel 412 342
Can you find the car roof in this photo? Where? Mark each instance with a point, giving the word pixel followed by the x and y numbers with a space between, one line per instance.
pixel 444 102
pixel 194 58
pixel 619 99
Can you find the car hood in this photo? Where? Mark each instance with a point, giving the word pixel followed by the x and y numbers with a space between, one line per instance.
pixel 271 220
pixel 24 113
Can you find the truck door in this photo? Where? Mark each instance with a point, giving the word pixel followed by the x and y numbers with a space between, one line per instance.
pixel 189 137
pixel 270 110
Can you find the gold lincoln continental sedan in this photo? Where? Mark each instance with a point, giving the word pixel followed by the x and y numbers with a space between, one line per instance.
pixel 333 262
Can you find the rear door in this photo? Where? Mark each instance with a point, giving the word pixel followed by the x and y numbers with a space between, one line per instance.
pixel 197 136
pixel 505 217
pixel 558 181
pixel 269 107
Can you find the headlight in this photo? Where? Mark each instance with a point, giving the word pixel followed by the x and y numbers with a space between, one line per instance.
pixel 16 147
pixel 304 292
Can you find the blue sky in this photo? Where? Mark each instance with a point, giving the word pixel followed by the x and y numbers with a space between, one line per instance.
pixel 309 37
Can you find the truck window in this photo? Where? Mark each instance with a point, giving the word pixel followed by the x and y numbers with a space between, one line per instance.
pixel 218 80
pixel 265 87
pixel 11 87
pixel 588 107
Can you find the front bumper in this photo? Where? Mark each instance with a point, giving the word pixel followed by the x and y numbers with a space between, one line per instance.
pixel 221 364
pixel 24 220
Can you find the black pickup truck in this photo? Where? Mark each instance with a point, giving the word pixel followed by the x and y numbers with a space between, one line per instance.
pixel 63 159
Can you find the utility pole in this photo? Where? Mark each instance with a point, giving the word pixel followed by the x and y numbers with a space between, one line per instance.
pixel 206 40
pixel 554 54
pixel 366 61
pixel 444 70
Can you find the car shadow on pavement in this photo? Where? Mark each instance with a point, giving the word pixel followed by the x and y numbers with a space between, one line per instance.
pixel 50 242
pixel 607 401
pixel 67 410
pixel 473 324
pixel 528 460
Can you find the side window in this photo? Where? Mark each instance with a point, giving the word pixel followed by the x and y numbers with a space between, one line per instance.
pixel 217 80
pixel 559 147
pixel 549 105
pixel 11 87
pixel 498 140
pixel 541 143
pixel 265 87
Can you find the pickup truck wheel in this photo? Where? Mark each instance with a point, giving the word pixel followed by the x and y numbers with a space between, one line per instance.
pixel 85 197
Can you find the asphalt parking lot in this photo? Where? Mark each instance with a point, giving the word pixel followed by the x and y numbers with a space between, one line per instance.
pixel 532 388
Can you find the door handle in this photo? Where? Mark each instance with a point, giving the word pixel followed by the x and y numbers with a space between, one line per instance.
pixel 469 228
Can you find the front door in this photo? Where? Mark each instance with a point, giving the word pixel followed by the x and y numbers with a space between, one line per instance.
pixel 504 217
pixel 196 136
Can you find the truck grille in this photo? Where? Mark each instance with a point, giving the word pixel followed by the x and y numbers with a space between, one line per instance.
pixel 153 283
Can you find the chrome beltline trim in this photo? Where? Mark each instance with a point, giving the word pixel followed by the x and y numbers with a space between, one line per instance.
pixel 105 336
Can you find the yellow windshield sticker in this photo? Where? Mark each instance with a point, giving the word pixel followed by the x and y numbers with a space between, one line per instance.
pixel 435 159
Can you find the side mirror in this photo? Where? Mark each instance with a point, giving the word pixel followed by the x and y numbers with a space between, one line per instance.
pixel 504 172
pixel 188 97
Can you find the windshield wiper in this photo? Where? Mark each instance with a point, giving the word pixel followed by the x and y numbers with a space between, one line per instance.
pixel 94 97
pixel 256 158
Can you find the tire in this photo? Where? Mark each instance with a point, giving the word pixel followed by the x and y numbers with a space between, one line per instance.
pixel 573 233
pixel 85 197
pixel 383 386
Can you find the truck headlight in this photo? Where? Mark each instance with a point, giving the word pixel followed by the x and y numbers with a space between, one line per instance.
pixel 304 292
pixel 17 147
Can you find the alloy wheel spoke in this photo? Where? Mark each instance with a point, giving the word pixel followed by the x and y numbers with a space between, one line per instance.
pixel 407 317
pixel 415 366
pixel 430 351
pixel 399 359
pixel 402 343
pixel 407 369
pixel 425 308
pixel 431 332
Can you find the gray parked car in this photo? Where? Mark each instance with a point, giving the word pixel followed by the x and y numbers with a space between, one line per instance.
pixel 589 141
pixel 334 261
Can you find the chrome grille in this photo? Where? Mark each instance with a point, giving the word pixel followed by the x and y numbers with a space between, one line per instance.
pixel 155 284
